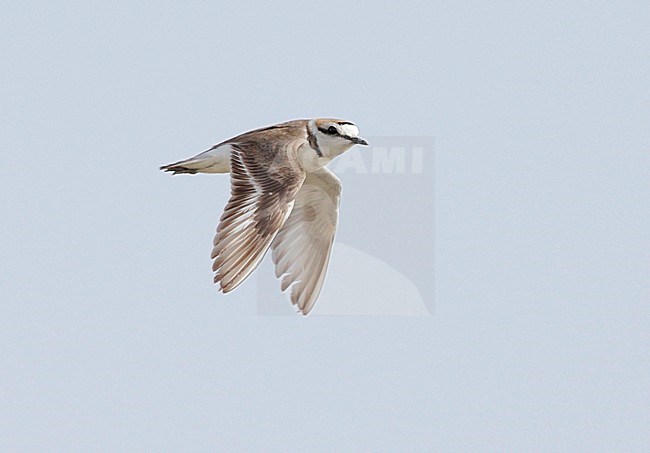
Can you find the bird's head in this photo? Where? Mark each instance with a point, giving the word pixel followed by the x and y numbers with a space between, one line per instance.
pixel 334 136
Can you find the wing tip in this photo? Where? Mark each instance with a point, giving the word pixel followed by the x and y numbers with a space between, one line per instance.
pixel 226 287
pixel 305 310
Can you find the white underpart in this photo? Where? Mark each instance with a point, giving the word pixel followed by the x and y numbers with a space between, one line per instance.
pixel 310 160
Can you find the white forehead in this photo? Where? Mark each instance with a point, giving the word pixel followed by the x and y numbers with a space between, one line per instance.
pixel 349 129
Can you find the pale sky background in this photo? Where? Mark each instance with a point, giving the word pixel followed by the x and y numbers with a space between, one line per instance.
pixel 112 336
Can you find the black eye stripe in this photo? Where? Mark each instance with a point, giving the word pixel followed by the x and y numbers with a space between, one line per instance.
pixel 329 131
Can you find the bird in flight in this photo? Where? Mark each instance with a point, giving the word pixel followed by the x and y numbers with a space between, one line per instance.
pixel 283 197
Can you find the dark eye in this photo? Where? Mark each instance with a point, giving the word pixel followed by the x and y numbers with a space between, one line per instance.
pixel 332 130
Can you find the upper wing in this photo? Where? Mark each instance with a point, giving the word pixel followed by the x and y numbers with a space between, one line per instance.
pixel 264 182
pixel 301 250
pixel 217 158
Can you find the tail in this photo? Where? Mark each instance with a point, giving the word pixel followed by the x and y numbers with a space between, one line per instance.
pixel 179 168
pixel 214 160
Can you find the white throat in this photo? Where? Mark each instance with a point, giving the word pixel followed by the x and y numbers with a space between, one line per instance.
pixel 317 152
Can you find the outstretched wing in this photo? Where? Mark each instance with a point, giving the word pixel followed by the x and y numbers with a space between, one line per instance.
pixel 264 182
pixel 301 250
